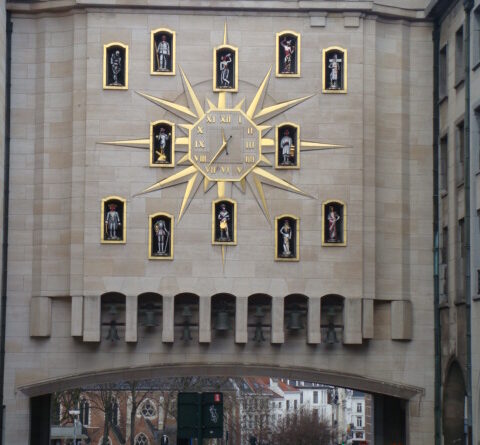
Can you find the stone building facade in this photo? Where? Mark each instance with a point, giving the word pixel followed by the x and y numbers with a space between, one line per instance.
pixel 366 303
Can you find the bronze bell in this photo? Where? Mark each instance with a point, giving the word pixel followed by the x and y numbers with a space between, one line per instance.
pixel 259 312
pixel 149 318
pixel 186 312
pixel 295 320
pixel 222 322
pixel 113 332
pixel 186 334
pixel 331 334
pixel 258 337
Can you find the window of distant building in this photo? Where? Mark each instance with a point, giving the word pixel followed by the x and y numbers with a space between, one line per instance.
pixel 359 422
pixel 476 36
pixel 114 413
pixel 460 151
pixel 315 396
pixel 459 57
pixel 279 404
pixel 141 439
pixel 444 164
pixel 476 145
pixel 84 412
pixel 444 266
pixel 288 405
pixel 443 73
pixel 461 260
pixel 148 409
pixel 295 405
pixel 359 407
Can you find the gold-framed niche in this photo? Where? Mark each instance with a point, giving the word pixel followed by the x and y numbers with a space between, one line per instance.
pixel 115 66
pixel 224 222
pixel 162 144
pixel 162 52
pixel 288 54
pixel 334 70
pixel 160 236
pixel 113 223
pixel 225 68
pixel 287 238
pixel 287 146
pixel 334 223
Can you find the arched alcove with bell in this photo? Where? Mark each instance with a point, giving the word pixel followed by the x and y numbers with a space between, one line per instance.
pixel 186 317
pixel 332 319
pixel 223 315
pixel 259 318
pixel 149 313
pixel 112 317
pixel 295 315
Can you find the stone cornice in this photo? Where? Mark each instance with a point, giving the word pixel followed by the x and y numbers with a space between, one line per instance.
pixel 410 9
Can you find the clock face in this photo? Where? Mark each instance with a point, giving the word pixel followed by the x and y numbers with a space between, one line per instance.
pixel 225 145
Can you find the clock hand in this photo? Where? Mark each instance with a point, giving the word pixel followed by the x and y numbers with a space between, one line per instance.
pixel 222 147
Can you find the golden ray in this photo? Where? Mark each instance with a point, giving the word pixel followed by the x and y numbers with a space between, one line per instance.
pixel 191 96
pixel 179 110
pixel 177 178
pixel 187 127
pixel 272 111
pixel 207 185
pixel 190 191
pixel 211 106
pixel 239 106
pixel 136 143
pixel 222 100
pixel 252 109
pixel 225 33
pixel 267 142
pixel 243 185
pixel 221 189
pixel 275 181
pixel 263 128
pixel 183 160
pixel 256 187
pixel 307 146
pixel 182 141
pixel 265 160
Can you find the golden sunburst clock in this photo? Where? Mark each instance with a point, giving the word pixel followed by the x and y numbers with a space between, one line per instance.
pixel 222 144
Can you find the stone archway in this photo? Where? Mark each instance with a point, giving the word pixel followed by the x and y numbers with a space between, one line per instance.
pixel 454 405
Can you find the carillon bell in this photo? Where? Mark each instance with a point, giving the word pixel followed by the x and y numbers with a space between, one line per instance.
pixel 222 322
pixel 186 334
pixel 113 332
pixel 295 320
pixel 149 318
pixel 331 334
pixel 186 312
pixel 258 337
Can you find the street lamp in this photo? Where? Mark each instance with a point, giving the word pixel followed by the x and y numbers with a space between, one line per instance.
pixel 75 413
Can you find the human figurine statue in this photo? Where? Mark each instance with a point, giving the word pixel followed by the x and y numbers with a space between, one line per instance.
pixel 333 217
pixel 112 222
pixel 116 66
pixel 286 232
pixel 286 144
pixel 162 137
pixel 288 50
pixel 224 70
pixel 334 66
pixel 163 235
pixel 163 54
pixel 224 218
